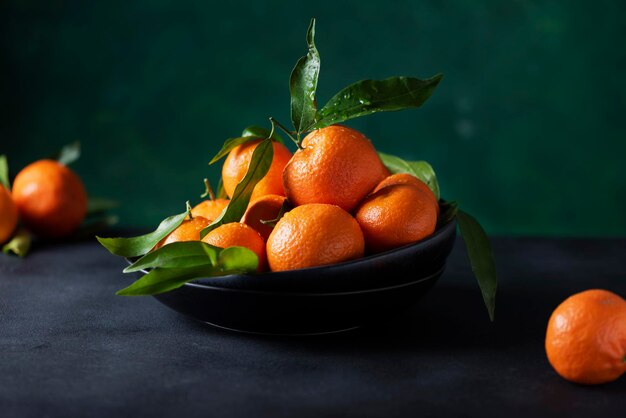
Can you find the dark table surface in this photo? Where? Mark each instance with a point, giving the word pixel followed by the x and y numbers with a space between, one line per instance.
pixel 70 347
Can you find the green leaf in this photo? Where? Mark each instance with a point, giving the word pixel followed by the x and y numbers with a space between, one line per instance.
pixel 137 246
pixel 303 84
pixel 420 169
pixel 481 258
pixel 69 153
pixel 19 244
pixel 371 96
pixel 4 172
pixel 251 133
pixel 259 166
pixel 263 133
pixel 237 259
pixel 177 255
pixel 230 261
pixel 163 280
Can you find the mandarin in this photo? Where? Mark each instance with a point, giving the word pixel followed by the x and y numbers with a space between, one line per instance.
pixel 313 235
pixel 237 162
pixel 50 198
pixel 210 209
pixel 240 235
pixel 337 165
pixel 405 178
pixel 396 215
pixel 586 337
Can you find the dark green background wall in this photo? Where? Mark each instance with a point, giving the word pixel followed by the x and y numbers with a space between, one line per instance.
pixel 527 129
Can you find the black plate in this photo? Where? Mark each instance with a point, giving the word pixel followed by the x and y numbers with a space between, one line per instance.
pixel 321 299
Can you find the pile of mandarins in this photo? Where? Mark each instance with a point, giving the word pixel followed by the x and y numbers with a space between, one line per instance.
pixel 47 197
pixel 345 204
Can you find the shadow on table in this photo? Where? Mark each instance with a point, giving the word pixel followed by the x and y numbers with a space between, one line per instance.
pixel 452 316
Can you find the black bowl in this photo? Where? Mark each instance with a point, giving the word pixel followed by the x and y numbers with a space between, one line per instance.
pixel 322 299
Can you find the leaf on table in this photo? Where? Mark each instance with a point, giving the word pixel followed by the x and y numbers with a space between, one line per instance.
pixel 4 172
pixel 259 166
pixel 94 225
pixel 481 258
pixel 19 244
pixel 99 205
pixel 371 96
pixel 303 84
pixel 229 261
pixel 420 169
pixel 177 255
pixel 69 153
pixel 138 246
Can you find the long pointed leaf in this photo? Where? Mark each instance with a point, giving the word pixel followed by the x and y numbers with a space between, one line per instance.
pixel 229 145
pixel 176 255
pixel 303 84
pixel 162 280
pixel 259 166
pixel 481 258
pixel 371 96
pixel 137 246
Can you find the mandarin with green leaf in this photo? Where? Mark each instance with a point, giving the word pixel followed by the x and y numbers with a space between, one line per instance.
pixel 237 163
pixel 188 230
pixel 210 209
pixel 236 234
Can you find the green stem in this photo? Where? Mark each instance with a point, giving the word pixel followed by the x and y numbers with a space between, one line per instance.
pixel 208 191
pixel 188 206
pixel 286 131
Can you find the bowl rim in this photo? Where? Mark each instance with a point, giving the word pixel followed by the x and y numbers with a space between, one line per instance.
pixel 228 281
pixel 433 275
